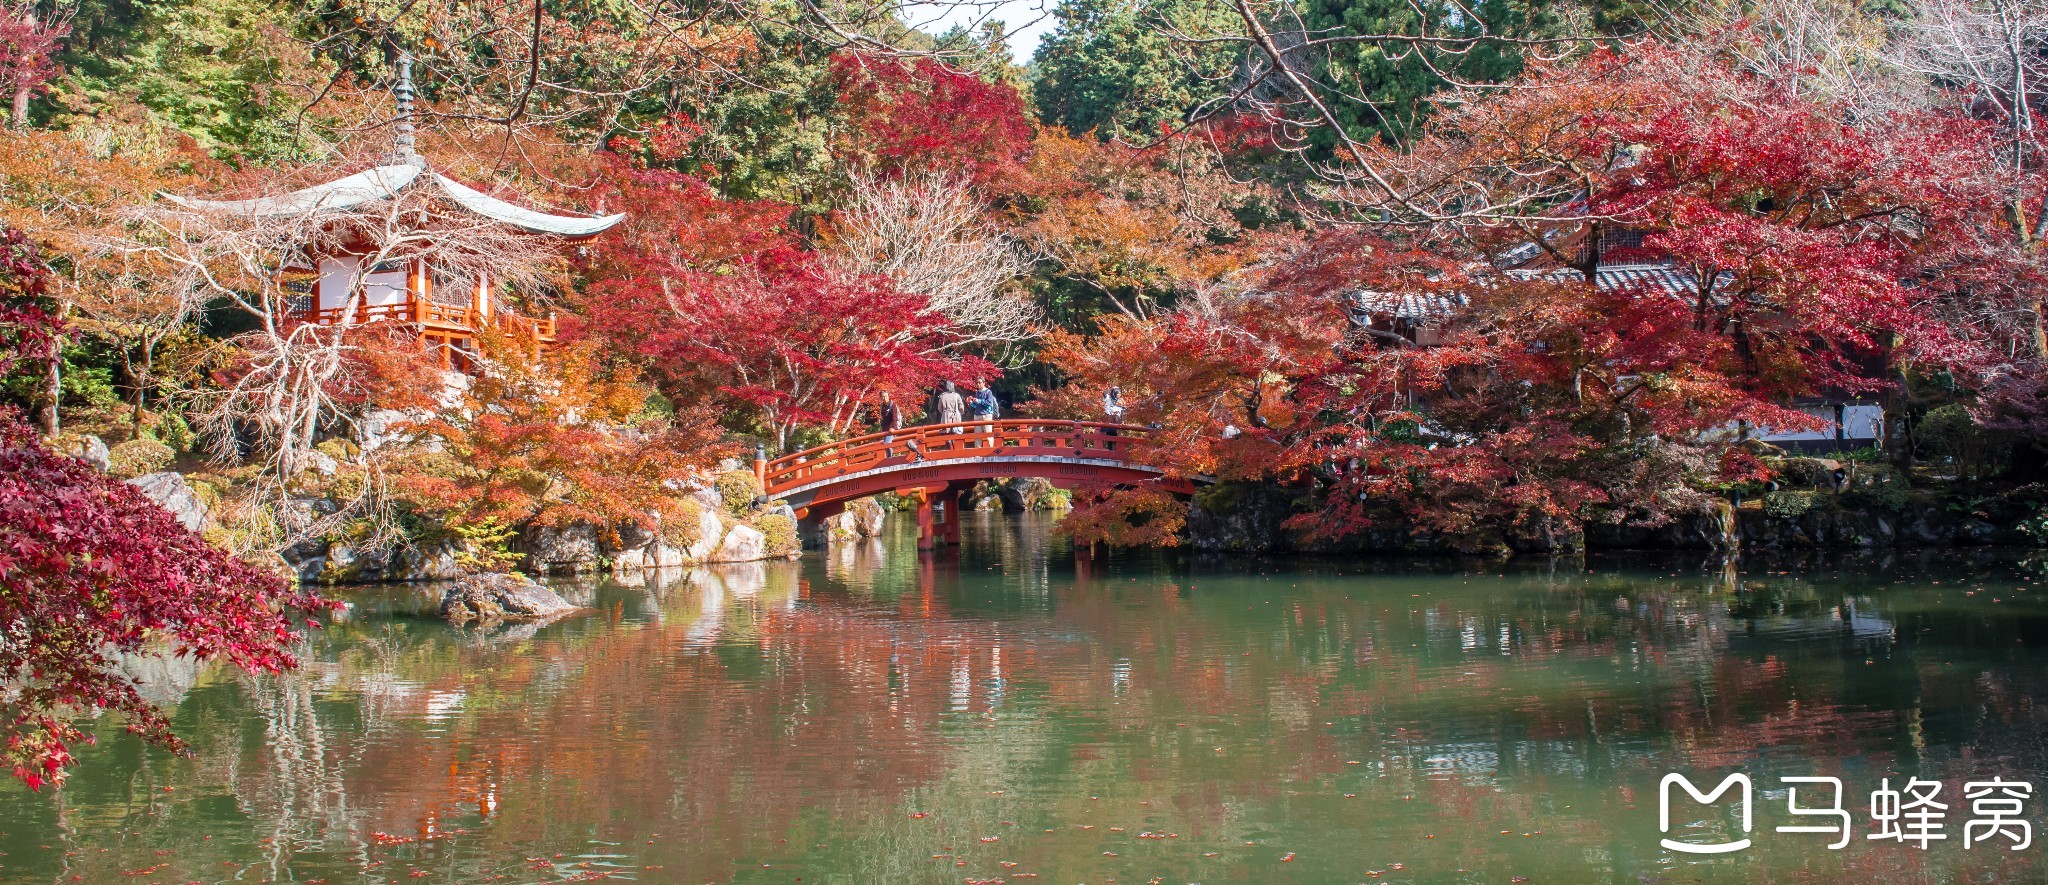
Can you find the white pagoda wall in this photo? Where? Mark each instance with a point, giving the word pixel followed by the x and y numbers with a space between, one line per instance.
pixel 382 288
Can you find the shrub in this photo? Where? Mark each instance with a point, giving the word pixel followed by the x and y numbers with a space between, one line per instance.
pixel 486 545
pixel 170 429
pixel 2035 527
pixel 1789 504
pixel 206 491
pixel 1056 499
pixel 782 539
pixel 339 449
pixel 1946 432
pixel 139 456
pixel 739 489
pixel 1878 486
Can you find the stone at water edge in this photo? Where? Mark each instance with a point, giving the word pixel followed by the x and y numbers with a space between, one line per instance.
pixel 170 490
pixel 500 597
pixel 841 526
pixel 868 516
pixel 570 548
pixel 710 532
pixel 741 544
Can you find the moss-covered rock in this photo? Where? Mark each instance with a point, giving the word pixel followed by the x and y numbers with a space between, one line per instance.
pixel 137 457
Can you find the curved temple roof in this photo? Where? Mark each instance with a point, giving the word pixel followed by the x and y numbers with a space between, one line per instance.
pixel 385 182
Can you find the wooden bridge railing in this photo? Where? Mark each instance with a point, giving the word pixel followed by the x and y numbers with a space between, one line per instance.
pixel 941 443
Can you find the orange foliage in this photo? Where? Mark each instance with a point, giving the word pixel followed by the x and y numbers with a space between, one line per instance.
pixel 554 436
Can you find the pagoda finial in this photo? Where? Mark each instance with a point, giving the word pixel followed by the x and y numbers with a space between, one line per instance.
pixel 402 150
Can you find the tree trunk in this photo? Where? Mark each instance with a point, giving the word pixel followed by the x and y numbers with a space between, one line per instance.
pixel 52 425
pixel 18 116
pixel 2040 333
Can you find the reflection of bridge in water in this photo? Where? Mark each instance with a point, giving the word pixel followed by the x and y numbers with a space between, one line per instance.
pixel 935 464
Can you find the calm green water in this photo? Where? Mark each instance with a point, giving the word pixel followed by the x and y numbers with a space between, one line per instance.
pixel 998 713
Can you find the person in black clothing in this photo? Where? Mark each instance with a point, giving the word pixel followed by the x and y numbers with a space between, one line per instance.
pixel 891 420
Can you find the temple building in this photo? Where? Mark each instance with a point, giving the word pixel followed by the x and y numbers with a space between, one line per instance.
pixel 447 307
pixel 1848 421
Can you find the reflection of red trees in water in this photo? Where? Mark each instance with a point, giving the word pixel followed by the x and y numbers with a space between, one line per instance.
pixel 732 718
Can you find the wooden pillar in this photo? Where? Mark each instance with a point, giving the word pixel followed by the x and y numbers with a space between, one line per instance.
pixel 924 519
pixel 952 499
pixel 760 462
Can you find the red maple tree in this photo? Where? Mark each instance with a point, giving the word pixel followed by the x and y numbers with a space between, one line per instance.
pixel 1774 247
pixel 92 571
pixel 922 115
pixel 723 303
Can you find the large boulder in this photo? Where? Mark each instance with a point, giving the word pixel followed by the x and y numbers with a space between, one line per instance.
pixel 93 450
pixel 741 544
pixel 868 515
pixel 841 526
pixel 1709 527
pixel 435 563
pixel 570 549
pixel 1241 517
pixel 170 490
pixel 1033 493
pixel 322 463
pixel 710 533
pixel 492 598
pixel 861 518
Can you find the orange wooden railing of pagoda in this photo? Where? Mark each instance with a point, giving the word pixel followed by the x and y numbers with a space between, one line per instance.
pixel 456 318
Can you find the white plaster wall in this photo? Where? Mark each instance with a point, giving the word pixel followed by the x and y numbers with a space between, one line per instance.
pixel 336 275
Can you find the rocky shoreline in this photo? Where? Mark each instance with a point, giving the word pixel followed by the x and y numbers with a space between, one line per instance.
pixel 1249 518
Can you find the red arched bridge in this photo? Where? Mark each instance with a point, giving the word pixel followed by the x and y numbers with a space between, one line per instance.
pixel 937 462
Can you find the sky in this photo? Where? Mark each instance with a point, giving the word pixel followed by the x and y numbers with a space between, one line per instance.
pixel 1026 21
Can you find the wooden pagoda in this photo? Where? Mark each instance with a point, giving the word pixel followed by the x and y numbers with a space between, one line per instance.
pixel 338 289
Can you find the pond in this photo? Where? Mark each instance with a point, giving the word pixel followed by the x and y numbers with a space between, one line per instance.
pixel 1004 711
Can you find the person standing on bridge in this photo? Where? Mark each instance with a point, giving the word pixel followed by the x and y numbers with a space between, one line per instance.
pixel 890 418
pixel 1112 410
pixel 985 406
pixel 952 408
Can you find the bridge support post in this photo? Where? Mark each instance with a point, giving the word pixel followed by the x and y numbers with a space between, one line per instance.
pixel 924 520
pixel 952 499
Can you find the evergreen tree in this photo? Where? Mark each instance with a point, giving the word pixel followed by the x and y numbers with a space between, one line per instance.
pixel 1112 68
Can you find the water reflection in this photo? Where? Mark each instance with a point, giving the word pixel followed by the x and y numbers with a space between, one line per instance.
pixel 874 716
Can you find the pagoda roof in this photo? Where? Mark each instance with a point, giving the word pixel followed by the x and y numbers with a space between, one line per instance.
pixel 386 183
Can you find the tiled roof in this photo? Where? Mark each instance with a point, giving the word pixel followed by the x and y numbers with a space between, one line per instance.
pixel 1423 308
pixel 1405 306
pixel 1616 276
pixel 384 183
